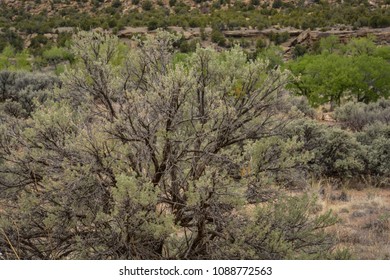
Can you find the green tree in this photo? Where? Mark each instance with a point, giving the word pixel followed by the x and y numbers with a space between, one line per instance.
pixel 360 46
pixel 329 44
pixel 333 77
pixel 56 55
pixel 11 60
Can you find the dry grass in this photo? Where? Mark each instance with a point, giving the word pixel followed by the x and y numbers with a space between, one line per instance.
pixel 364 215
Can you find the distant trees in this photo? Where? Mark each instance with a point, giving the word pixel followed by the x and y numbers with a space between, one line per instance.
pixel 10 59
pixel 280 13
pixel 11 38
pixel 56 55
pixel 141 156
pixel 358 71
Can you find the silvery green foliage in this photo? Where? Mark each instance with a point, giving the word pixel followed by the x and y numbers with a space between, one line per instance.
pixel 372 125
pixel 23 88
pixel 375 138
pixel 356 116
pixel 283 162
pixel 282 230
pixel 335 152
pixel 138 156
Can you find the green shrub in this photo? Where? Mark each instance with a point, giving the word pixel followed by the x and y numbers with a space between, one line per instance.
pixel 153 24
pixel 9 37
pixel 279 37
pixel 379 21
pixel 81 163
pixel 280 160
pixel 356 116
pixel 56 55
pixel 336 152
pixel 116 4
pixel 147 5
pixel 260 44
pixel 298 50
pixel 375 138
pixel 378 156
pixel 23 88
pixel 286 229
pixel 187 46
pixel 218 37
pixel 277 4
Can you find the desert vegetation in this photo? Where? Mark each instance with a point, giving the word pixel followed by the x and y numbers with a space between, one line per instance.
pixel 38 25
pixel 210 130
pixel 148 153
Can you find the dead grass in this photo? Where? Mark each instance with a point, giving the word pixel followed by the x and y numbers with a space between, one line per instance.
pixel 364 215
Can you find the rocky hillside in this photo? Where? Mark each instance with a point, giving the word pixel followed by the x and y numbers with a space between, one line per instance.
pixel 37 24
pixel 52 7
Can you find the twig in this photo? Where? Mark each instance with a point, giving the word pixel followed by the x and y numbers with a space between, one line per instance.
pixel 10 244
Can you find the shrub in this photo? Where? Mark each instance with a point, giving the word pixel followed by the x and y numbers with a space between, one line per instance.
pixel 116 4
pixel 282 160
pixel 164 162
pixel 287 229
pixel 23 88
pixel 153 24
pixel 187 46
pixel 147 5
pixel 299 50
pixel 375 138
pixel 56 55
pixel 260 44
pixel 279 37
pixel 218 37
pixel 356 116
pixel 9 37
pixel 277 4
pixel 336 152
pixel 302 104
pixel 379 21
pixel 372 132
pixel 378 156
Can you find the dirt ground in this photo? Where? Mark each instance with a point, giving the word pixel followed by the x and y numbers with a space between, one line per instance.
pixel 364 214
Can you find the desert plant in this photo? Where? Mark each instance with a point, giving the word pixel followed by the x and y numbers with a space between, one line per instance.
pixel 286 229
pixel 23 88
pixel 336 152
pixel 139 155
pixel 356 116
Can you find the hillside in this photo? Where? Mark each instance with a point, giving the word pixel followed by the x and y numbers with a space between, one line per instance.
pixel 94 6
pixel 13 9
pixel 39 24
pixel 199 129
